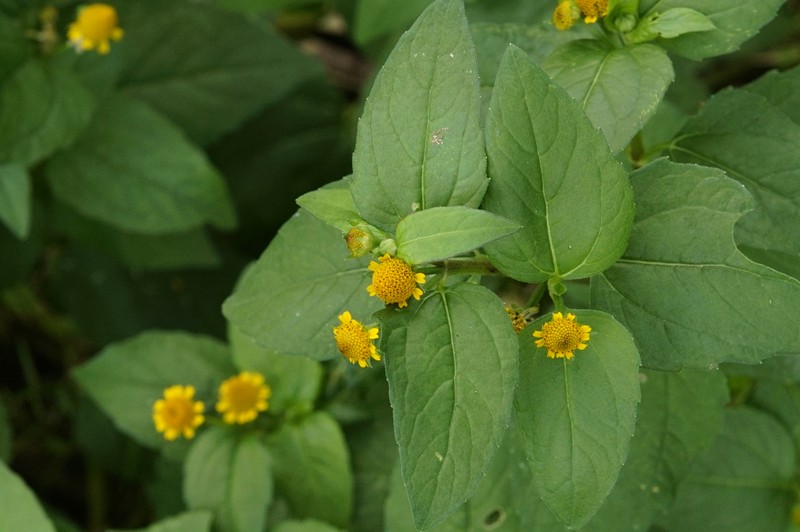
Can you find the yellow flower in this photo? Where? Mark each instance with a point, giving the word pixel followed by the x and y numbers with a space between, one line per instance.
pixel 517 319
pixel 394 281
pixel 561 336
pixel 565 15
pixel 355 341
pixel 359 242
pixel 242 397
pixel 177 413
pixel 593 9
pixel 95 26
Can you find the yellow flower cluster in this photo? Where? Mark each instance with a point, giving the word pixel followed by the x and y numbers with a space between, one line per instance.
pixel 568 12
pixel 241 399
pixel 355 341
pixel 562 336
pixel 394 281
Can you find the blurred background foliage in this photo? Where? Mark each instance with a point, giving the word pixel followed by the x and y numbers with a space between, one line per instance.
pixel 262 98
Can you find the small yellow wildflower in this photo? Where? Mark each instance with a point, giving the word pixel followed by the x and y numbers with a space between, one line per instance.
pixel 394 281
pixel 177 413
pixel 517 320
pixel 562 336
pixel 242 397
pixel 95 25
pixel 565 15
pixel 593 9
pixel 355 341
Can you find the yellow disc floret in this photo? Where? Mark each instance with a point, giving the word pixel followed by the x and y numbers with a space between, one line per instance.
pixel 95 25
pixel 355 341
pixel 242 397
pixel 177 413
pixel 562 336
pixel 565 15
pixel 593 9
pixel 394 281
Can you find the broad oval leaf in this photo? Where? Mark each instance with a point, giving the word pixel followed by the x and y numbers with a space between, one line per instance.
pixel 744 482
pixel 735 21
pixel 43 107
pixel 682 287
pixel 185 522
pixel 313 472
pixel 618 88
pixel 759 146
pixel 15 199
pixel 577 416
pixel 222 68
pixel 552 173
pixel 19 509
pixel 105 176
pixel 451 363
pixel 419 142
pixel 231 476
pixel 443 232
pixel 333 204
pixel 680 415
pixel 289 301
pixel 127 377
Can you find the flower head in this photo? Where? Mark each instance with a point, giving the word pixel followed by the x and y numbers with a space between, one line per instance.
pixel 355 341
pixel 359 242
pixel 593 9
pixel 566 14
pixel 518 319
pixel 242 397
pixel 394 281
pixel 562 336
pixel 177 413
pixel 95 25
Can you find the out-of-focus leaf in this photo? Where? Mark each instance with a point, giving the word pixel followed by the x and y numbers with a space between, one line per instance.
pixel 43 107
pixel 185 522
pixel 15 199
pixel 19 509
pixel 220 68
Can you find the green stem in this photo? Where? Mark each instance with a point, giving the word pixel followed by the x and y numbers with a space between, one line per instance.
pixel 536 296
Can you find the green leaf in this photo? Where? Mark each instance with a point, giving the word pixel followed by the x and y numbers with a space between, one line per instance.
pixel 618 88
pixel 313 471
pixel 127 377
pixel 333 204
pixel 43 107
pixel 781 89
pixel 669 24
pixel 231 476
pixel 103 175
pixel 221 67
pixel 19 509
pixel 553 174
pixel 782 400
pixel 171 251
pixel 20 258
pixel 444 232
pixel 184 522
pixel 289 301
pixel 377 18
pixel 759 146
pixel 15 199
pixel 735 21
pixel 744 482
pixel 451 362
pixel 682 287
pixel 294 381
pixel 679 416
pixel 577 416
pixel 419 142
